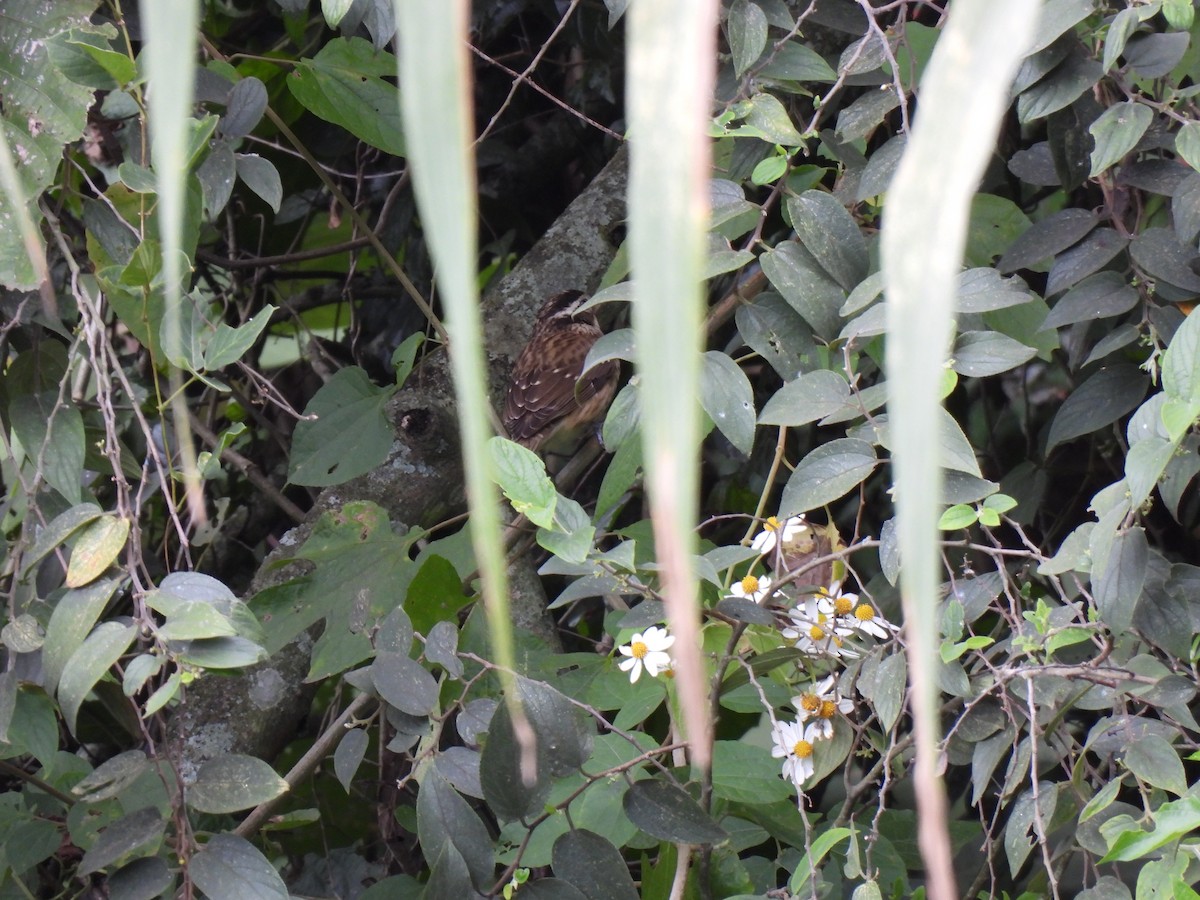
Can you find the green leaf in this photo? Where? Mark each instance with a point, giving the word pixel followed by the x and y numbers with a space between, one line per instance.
pixel 1117 132
pixel 342 85
pixel 573 534
pixel 795 273
pixel 1179 14
pixel 404 357
pixel 564 741
pixel 196 620
pixel 1110 393
pixel 1155 762
pixel 230 866
pixel 163 694
pixel 1047 238
pixel 810 397
pixel 228 345
pixel 723 260
pixel 593 866
pixel 445 822
pixel 337 650
pixel 747 28
pixel 74 614
pixel 219 652
pixel 349 756
pixel 1181 363
pixel 1099 296
pixel 666 811
pixel 1057 17
pixel 335 10
pixel 261 176
pixel 995 223
pixel 1172 821
pixel 812 859
pixel 955 451
pixel 826 474
pixel 1058 90
pixel 521 475
pixel 1090 255
pixel 45 427
pixel 112 777
pixel 119 66
pixel 96 548
pixel 1144 466
pixel 349 436
pixel 60 528
pixel 831 235
pixel 769 120
pixel 891 682
pixel 958 516
pixel 1021 824
pixel 859 120
pixel 1123 25
pixel 727 397
pixel 244 107
pixel 33 728
pixel 217 174
pixel 434 595
pixel 141 879
pixel 1001 503
pixel 985 290
pixel 1163 255
pixel 404 683
pixel 1187 142
pixel 91 662
pixel 795 61
pixel 777 333
pixel 233 782
pixel 769 170
pixel 745 773
pixel 135 831
pixel 1178 416
pixel 1102 799
pixel 43 111
pixel 1119 586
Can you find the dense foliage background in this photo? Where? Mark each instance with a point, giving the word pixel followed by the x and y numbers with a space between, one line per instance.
pixel 293 693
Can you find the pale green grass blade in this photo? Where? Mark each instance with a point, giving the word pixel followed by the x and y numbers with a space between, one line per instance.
pixel 435 93
pixel 669 100
pixel 963 94
pixel 171 30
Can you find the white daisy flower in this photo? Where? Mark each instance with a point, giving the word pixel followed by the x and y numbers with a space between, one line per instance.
pixel 646 650
pixel 775 531
pixel 794 745
pixel 820 705
pixel 864 619
pixel 751 587
pixel 817 631
pixel 841 604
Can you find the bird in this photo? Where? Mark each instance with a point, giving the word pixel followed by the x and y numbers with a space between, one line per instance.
pixel 546 396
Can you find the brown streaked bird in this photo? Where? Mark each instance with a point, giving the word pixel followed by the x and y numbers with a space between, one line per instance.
pixel 546 395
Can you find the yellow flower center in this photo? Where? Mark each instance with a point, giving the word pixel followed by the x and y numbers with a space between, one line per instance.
pixel 810 702
pixel 817 633
pixel 749 584
pixel 842 605
pixel 639 650
pixel 864 613
pixel 828 709
pixel 802 749
pixel 772 524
